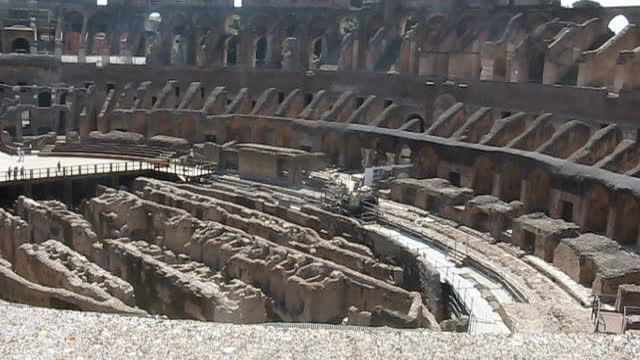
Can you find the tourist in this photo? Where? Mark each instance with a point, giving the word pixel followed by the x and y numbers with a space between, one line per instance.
pixel 59 166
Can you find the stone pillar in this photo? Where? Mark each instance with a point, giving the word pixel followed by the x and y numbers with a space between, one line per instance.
pixel 68 193
pixel 82 52
pixel 59 39
pixel 245 49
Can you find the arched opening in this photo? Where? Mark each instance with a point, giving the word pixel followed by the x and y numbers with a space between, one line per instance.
pixel 348 25
pixel 231 51
pixel 499 69
pixel 618 23
pixel 537 194
pixel 483 176
pixel 380 155
pixel 153 21
pixel 627 216
pixel 25 117
pixel 403 157
pixel 317 48
pixel 232 25
pixel 20 45
pixel 415 123
pixel 63 98
pixel 510 183
pixel 44 99
pixel 598 210
pixel 407 25
pixel 260 51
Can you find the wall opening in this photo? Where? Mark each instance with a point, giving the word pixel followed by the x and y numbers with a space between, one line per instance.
pixel 261 51
pixel 231 51
pixel 618 23
pixel 44 99
pixel 566 211
pixel 21 45
pixel 454 178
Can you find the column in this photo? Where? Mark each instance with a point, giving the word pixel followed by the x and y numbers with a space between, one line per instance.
pixel 82 52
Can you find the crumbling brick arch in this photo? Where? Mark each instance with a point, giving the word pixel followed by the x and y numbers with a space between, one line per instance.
pixel 510 182
pixel 483 173
pixel 182 40
pixel 536 197
pixel 425 163
pixel 597 208
pixel 331 146
pixel 627 215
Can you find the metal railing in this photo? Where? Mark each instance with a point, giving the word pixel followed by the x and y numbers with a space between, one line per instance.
pixel 16 174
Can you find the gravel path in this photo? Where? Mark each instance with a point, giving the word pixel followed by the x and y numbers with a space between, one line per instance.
pixel 37 333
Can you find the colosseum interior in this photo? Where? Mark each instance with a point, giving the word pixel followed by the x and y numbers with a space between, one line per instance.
pixel 331 167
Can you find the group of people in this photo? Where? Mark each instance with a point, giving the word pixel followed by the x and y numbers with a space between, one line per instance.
pixel 15 172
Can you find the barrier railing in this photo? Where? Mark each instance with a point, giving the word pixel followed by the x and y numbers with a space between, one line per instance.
pixel 16 174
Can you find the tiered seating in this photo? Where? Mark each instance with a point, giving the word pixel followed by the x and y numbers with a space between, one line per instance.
pixel 112 150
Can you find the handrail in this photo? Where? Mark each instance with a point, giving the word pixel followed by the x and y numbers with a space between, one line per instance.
pixel 192 169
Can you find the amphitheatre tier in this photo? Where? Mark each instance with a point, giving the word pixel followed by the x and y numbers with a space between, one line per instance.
pixel 429 166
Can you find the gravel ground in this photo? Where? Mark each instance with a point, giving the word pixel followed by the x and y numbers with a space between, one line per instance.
pixel 37 333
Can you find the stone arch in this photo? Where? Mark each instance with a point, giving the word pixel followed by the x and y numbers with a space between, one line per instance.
pixel 426 162
pixel 617 23
pixel 331 147
pixel 537 191
pixel 403 155
pixel 597 209
pixel 21 45
pixel 483 176
pixel 353 155
pixel 510 182
pixel 419 124
pixel 627 215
